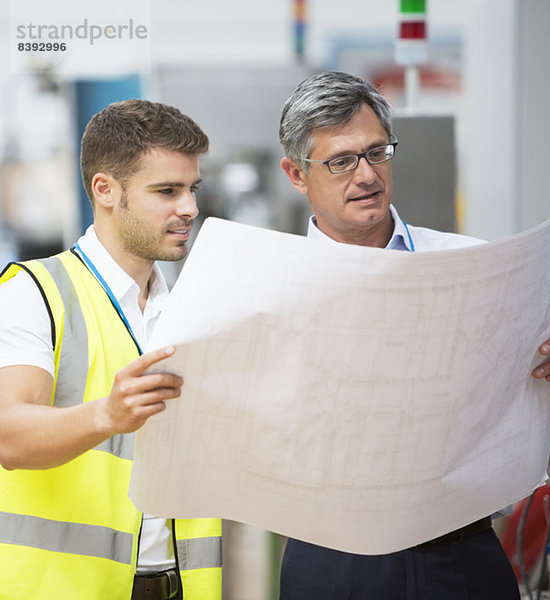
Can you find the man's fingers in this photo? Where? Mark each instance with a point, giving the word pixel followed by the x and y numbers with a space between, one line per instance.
pixel 160 394
pixel 542 371
pixel 134 386
pixel 146 361
pixel 156 381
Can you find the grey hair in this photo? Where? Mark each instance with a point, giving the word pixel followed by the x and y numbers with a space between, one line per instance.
pixel 326 100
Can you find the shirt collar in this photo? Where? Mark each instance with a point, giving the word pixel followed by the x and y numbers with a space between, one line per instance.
pixel 398 241
pixel 114 275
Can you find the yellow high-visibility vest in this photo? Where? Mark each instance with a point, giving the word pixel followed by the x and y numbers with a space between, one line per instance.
pixel 71 532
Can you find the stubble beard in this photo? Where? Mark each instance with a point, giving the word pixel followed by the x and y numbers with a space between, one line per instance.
pixel 142 241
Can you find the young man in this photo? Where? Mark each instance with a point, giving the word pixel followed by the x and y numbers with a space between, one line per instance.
pixel 336 132
pixel 73 382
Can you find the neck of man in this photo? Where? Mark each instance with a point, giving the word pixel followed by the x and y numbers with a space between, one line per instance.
pixel 374 236
pixel 141 272
pixel 138 268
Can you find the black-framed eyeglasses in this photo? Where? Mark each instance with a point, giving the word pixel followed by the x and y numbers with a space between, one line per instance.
pixel 349 162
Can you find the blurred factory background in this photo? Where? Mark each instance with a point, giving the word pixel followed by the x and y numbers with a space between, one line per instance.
pixel 472 119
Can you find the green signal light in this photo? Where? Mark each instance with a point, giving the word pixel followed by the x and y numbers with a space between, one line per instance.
pixel 413 6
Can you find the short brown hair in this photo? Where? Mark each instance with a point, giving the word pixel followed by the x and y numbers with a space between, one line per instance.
pixel 116 138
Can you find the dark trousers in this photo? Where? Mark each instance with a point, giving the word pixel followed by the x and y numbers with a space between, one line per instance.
pixel 472 569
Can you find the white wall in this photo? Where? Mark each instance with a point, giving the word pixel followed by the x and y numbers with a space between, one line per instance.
pixel 487 129
pixel 533 85
pixel 506 117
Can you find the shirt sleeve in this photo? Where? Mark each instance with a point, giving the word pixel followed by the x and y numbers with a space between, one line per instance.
pixel 25 328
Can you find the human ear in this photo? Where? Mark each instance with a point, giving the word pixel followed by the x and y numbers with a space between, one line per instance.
pixel 295 174
pixel 103 186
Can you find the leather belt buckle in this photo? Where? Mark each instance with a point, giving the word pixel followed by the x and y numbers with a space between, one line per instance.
pixel 164 585
pixel 173 583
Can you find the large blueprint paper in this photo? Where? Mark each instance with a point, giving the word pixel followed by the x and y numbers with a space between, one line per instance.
pixel 362 399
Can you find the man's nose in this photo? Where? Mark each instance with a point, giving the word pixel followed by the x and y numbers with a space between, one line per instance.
pixel 364 171
pixel 187 205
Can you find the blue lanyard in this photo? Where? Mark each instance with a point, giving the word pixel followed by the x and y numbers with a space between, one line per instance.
pixel 109 292
pixel 410 238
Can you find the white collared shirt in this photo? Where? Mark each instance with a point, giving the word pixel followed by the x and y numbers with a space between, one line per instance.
pixel 125 289
pixel 407 237
pixel 25 339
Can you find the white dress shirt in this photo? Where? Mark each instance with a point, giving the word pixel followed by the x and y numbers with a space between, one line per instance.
pixel 25 339
pixel 407 237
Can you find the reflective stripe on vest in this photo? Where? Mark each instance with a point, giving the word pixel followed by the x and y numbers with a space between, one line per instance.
pixel 71 383
pixel 199 553
pixel 57 536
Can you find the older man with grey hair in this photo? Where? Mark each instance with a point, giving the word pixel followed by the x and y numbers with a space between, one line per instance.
pixel 336 130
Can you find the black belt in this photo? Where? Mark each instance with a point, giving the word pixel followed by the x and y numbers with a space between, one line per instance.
pixel 156 586
pixel 460 534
